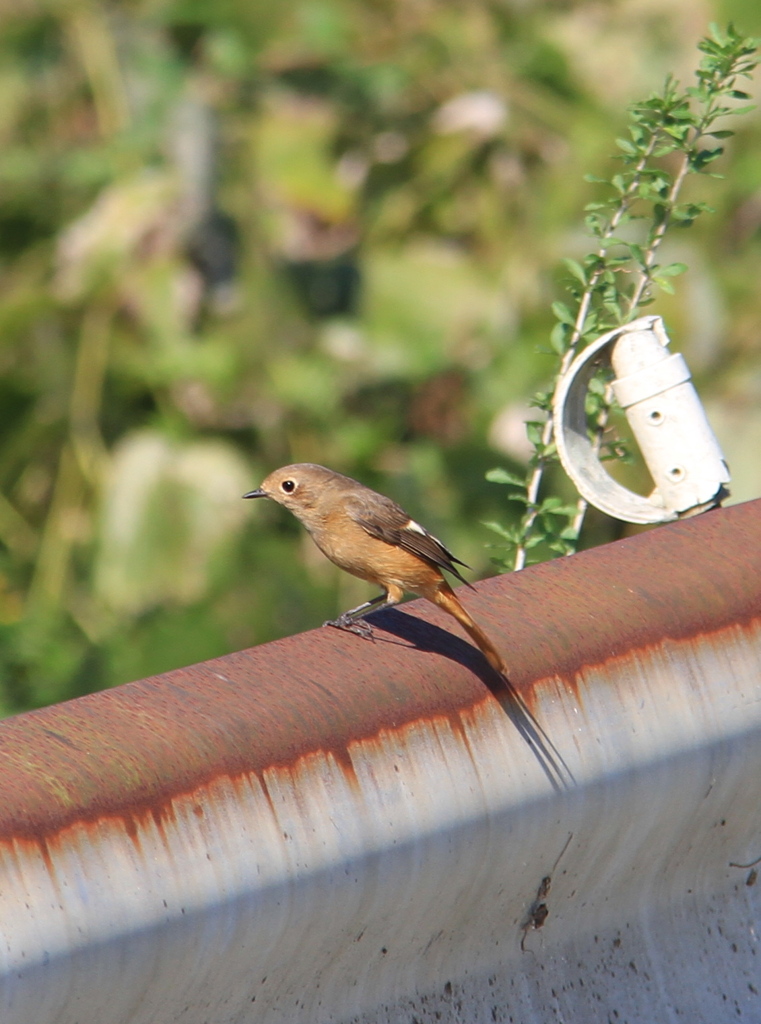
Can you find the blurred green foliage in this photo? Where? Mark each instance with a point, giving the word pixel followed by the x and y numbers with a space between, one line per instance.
pixel 611 285
pixel 237 235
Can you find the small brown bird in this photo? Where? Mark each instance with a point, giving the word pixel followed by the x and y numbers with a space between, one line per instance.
pixel 373 538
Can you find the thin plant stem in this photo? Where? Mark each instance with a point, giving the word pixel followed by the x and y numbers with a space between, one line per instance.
pixel 532 491
pixel 661 125
pixel 644 281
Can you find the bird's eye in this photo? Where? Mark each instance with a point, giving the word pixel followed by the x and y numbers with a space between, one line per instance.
pixel 288 486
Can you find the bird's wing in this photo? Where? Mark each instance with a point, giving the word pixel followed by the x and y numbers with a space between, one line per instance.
pixel 384 519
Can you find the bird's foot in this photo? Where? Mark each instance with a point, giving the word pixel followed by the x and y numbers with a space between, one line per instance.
pixel 358 626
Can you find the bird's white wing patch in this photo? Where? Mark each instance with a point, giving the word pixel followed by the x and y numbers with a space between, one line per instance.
pixel 416 527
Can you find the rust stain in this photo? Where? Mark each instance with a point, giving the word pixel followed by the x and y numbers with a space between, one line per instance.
pixel 457 725
pixel 164 818
pixel 130 751
pixel 454 720
pixel 342 757
pixel 130 827
pixel 44 850
pixel 270 801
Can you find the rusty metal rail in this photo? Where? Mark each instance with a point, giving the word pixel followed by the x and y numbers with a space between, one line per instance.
pixel 324 827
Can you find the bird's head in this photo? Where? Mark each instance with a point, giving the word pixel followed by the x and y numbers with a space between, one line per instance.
pixel 298 488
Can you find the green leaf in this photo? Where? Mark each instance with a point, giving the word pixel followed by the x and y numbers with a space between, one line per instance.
pixel 557 509
pixel 504 476
pixel 570 533
pixel 595 224
pixel 507 533
pixel 563 313
pixel 560 548
pixel 576 269
pixel 534 431
pixel 559 338
pixel 550 451
pixel 534 541
pixel 542 400
pixel 664 284
pixel 635 251
pixel 550 503
pixel 704 157
pixel 673 269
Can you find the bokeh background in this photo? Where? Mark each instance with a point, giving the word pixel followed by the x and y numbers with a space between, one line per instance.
pixel 235 235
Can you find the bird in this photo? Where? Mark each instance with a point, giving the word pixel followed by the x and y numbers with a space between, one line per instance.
pixel 370 536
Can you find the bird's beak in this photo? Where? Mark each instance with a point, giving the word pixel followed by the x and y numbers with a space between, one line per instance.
pixel 258 493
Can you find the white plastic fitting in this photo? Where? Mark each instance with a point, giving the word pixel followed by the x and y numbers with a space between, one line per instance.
pixel 654 388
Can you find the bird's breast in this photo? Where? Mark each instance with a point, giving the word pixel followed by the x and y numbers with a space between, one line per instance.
pixel 353 549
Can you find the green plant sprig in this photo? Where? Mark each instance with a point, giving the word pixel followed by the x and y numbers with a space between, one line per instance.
pixel 609 286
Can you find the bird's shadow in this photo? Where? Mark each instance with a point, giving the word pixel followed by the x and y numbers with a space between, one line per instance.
pixel 426 636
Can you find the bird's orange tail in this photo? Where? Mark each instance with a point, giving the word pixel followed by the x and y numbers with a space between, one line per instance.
pixel 445 598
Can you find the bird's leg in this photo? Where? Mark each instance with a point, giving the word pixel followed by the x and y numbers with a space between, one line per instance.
pixel 353 620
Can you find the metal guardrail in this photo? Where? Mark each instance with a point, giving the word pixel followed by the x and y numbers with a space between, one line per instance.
pixel 324 827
